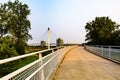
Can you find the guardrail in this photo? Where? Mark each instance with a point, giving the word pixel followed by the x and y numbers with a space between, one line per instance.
pixel 109 52
pixel 40 69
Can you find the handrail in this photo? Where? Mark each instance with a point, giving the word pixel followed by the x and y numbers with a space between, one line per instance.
pixel 23 56
pixel 24 68
pixel 19 70
pixel 101 45
pixel 44 65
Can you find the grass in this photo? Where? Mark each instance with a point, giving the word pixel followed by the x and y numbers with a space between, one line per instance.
pixel 31 49
pixel 12 66
pixel 26 61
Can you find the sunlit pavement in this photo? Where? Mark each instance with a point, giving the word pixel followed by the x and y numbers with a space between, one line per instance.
pixel 82 65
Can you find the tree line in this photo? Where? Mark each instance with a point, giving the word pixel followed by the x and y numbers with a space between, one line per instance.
pixel 102 31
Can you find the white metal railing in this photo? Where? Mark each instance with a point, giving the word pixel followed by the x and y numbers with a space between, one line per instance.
pixel 109 52
pixel 40 69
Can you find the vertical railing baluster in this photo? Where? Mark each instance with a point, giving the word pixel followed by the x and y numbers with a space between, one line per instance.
pixel 109 52
pixel 102 51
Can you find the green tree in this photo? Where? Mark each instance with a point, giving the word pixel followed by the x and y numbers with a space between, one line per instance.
pixel 19 24
pixel 43 43
pixel 3 20
pixel 116 37
pixel 59 42
pixel 100 31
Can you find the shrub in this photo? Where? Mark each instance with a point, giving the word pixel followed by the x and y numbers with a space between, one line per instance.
pixel 6 51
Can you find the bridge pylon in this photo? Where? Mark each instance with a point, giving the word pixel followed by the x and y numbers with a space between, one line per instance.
pixel 48 38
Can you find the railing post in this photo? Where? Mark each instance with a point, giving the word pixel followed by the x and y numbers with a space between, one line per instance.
pixel 52 66
pixel 102 51
pixel 92 49
pixel 96 49
pixel 60 53
pixel 52 50
pixel 42 70
pixel 109 52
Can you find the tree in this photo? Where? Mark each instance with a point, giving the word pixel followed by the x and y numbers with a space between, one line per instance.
pixel 3 20
pixel 116 37
pixel 19 24
pixel 59 42
pixel 43 43
pixel 100 31
pixel 14 21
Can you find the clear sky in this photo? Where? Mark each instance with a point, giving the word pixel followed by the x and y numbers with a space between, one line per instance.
pixel 67 18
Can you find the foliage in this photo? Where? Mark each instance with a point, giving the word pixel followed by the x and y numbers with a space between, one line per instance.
pixel 20 47
pixel 6 51
pixel 6 48
pixel 101 31
pixel 3 20
pixel 13 21
pixel 9 40
pixel 59 42
pixel 8 68
pixel 116 37
pixel 19 24
pixel 43 43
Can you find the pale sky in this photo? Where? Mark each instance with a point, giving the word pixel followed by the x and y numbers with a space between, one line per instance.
pixel 67 18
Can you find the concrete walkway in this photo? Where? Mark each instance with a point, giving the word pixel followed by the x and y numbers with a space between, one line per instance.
pixel 82 65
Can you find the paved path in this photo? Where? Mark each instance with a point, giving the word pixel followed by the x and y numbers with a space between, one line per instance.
pixel 82 65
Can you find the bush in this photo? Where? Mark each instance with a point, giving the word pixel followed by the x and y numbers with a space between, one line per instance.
pixel 8 67
pixel 6 51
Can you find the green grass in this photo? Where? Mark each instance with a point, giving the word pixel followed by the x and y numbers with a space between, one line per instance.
pixel 31 49
pixel 46 53
pixel 26 61
pixel 12 66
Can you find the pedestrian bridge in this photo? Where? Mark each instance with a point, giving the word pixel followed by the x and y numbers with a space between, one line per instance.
pixel 69 63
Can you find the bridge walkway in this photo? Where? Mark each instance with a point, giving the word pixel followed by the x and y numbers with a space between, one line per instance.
pixel 79 64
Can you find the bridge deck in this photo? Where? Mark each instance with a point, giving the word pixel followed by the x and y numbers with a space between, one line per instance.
pixel 82 65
